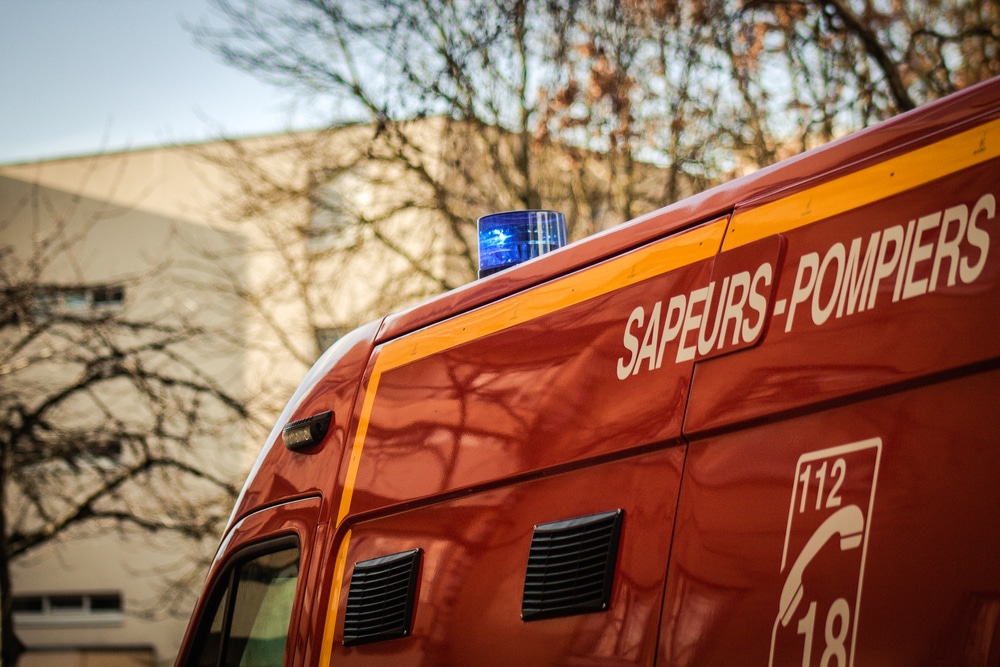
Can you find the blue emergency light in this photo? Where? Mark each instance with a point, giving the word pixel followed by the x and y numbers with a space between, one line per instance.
pixel 507 239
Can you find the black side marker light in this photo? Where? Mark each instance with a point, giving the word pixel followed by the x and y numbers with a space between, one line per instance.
pixel 305 433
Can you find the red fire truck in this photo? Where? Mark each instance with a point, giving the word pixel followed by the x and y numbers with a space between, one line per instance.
pixel 760 426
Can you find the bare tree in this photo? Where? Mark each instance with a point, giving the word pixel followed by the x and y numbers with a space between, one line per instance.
pixel 604 109
pixel 828 67
pixel 484 68
pixel 110 420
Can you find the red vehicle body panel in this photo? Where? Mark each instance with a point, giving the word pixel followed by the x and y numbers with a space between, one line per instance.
pixel 788 386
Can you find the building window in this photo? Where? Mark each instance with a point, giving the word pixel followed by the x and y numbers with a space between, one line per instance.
pixel 96 299
pixel 68 609
pixel 336 200
pixel 104 452
pixel 107 297
pixel 101 453
pixel 328 218
pixel 327 336
pixel 49 301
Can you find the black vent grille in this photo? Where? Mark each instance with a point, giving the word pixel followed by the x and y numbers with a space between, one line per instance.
pixel 571 566
pixel 380 600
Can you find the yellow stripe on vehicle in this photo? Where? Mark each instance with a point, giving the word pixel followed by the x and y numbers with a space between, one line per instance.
pixel 339 567
pixel 866 186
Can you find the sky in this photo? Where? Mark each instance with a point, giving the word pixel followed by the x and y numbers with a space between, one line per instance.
pixel 79 77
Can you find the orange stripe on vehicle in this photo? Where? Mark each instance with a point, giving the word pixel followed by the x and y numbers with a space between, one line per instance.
pixel 359 441
pixel 329 627
pixel 666 255
pixel 865 186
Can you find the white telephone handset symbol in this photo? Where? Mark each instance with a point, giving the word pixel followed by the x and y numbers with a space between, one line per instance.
pixel 849 524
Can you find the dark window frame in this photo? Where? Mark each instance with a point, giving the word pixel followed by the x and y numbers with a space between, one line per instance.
pixel 225 591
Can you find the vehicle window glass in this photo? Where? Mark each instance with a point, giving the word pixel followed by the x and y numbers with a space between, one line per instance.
pixel 250 615
pixel 265 591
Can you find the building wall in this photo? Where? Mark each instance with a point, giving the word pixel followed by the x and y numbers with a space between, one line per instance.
pixel 148 219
